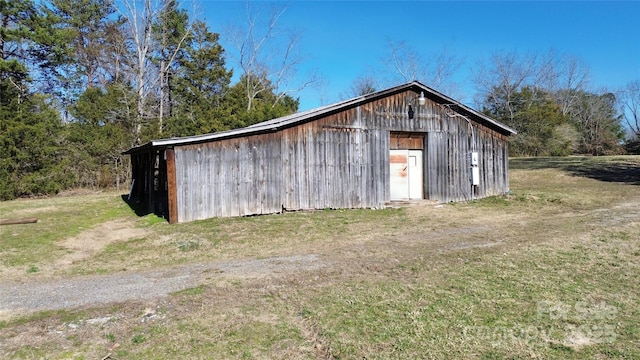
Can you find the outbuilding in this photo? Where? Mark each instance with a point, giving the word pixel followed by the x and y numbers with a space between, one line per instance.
pixel 406 142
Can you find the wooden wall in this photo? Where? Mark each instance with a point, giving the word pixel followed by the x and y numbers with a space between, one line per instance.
pixel 328 165
pixel 338 161
pixel 234 177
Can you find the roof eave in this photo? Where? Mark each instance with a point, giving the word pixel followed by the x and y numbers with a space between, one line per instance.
pixel 313 114
pixel 447 100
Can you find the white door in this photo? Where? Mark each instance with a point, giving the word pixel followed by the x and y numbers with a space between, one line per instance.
pixel 399 174
pixel 415 174
pixel 405 168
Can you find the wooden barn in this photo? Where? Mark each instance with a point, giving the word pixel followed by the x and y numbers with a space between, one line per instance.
pixel 406 142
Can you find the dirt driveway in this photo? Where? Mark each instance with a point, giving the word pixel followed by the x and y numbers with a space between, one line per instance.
pixel 27 295
pixel 68 293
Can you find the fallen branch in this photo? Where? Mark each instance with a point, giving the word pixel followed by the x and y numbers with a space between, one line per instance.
pixel 18 221
pixel 115 346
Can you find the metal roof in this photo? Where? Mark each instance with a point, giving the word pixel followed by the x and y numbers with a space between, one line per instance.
pixel 309 115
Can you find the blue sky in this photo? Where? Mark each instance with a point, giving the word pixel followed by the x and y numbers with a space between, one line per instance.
pixel 346 39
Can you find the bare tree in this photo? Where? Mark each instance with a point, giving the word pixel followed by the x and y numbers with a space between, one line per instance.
pixel 442 67
pixel 140 15
pixel 268 56
pixel 321 87
pixel 504 74
pixel 406 63
pixel 502 77
pixel 118 55
pixel 149 78
pixel 629 102
pixel 436 69
pixel 597 119
pixel 570 77
pixel 362 85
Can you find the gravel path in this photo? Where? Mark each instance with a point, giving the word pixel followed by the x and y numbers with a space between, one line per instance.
pixel 76 292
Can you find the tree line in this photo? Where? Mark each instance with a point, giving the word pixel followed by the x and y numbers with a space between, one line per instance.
pixel 544 96
pixel 83 80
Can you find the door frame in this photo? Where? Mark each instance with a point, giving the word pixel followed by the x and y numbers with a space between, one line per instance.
pixel 408 142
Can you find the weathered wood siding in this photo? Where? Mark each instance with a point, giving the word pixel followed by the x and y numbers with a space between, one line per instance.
pixel 448 145
pixel 234 177
pixel 334 162
pixel 337 161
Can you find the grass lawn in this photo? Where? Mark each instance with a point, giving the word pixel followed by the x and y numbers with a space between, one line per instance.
pixel 547 271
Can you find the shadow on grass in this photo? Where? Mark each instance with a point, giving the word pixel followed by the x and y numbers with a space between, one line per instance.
pixel 137 207
pixel 621 169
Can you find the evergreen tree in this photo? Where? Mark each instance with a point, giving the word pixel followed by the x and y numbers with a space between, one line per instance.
pixel 199 86
pixel 541 126
pixel 546 126
pixel 31 161
pixel 30 130
pixel 83 32
pixel 102 130
pixel 80 84
pixel 265 105
pixel 171 30
pixel 15 18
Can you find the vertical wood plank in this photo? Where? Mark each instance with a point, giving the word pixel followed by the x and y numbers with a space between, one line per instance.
pixel 171 186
